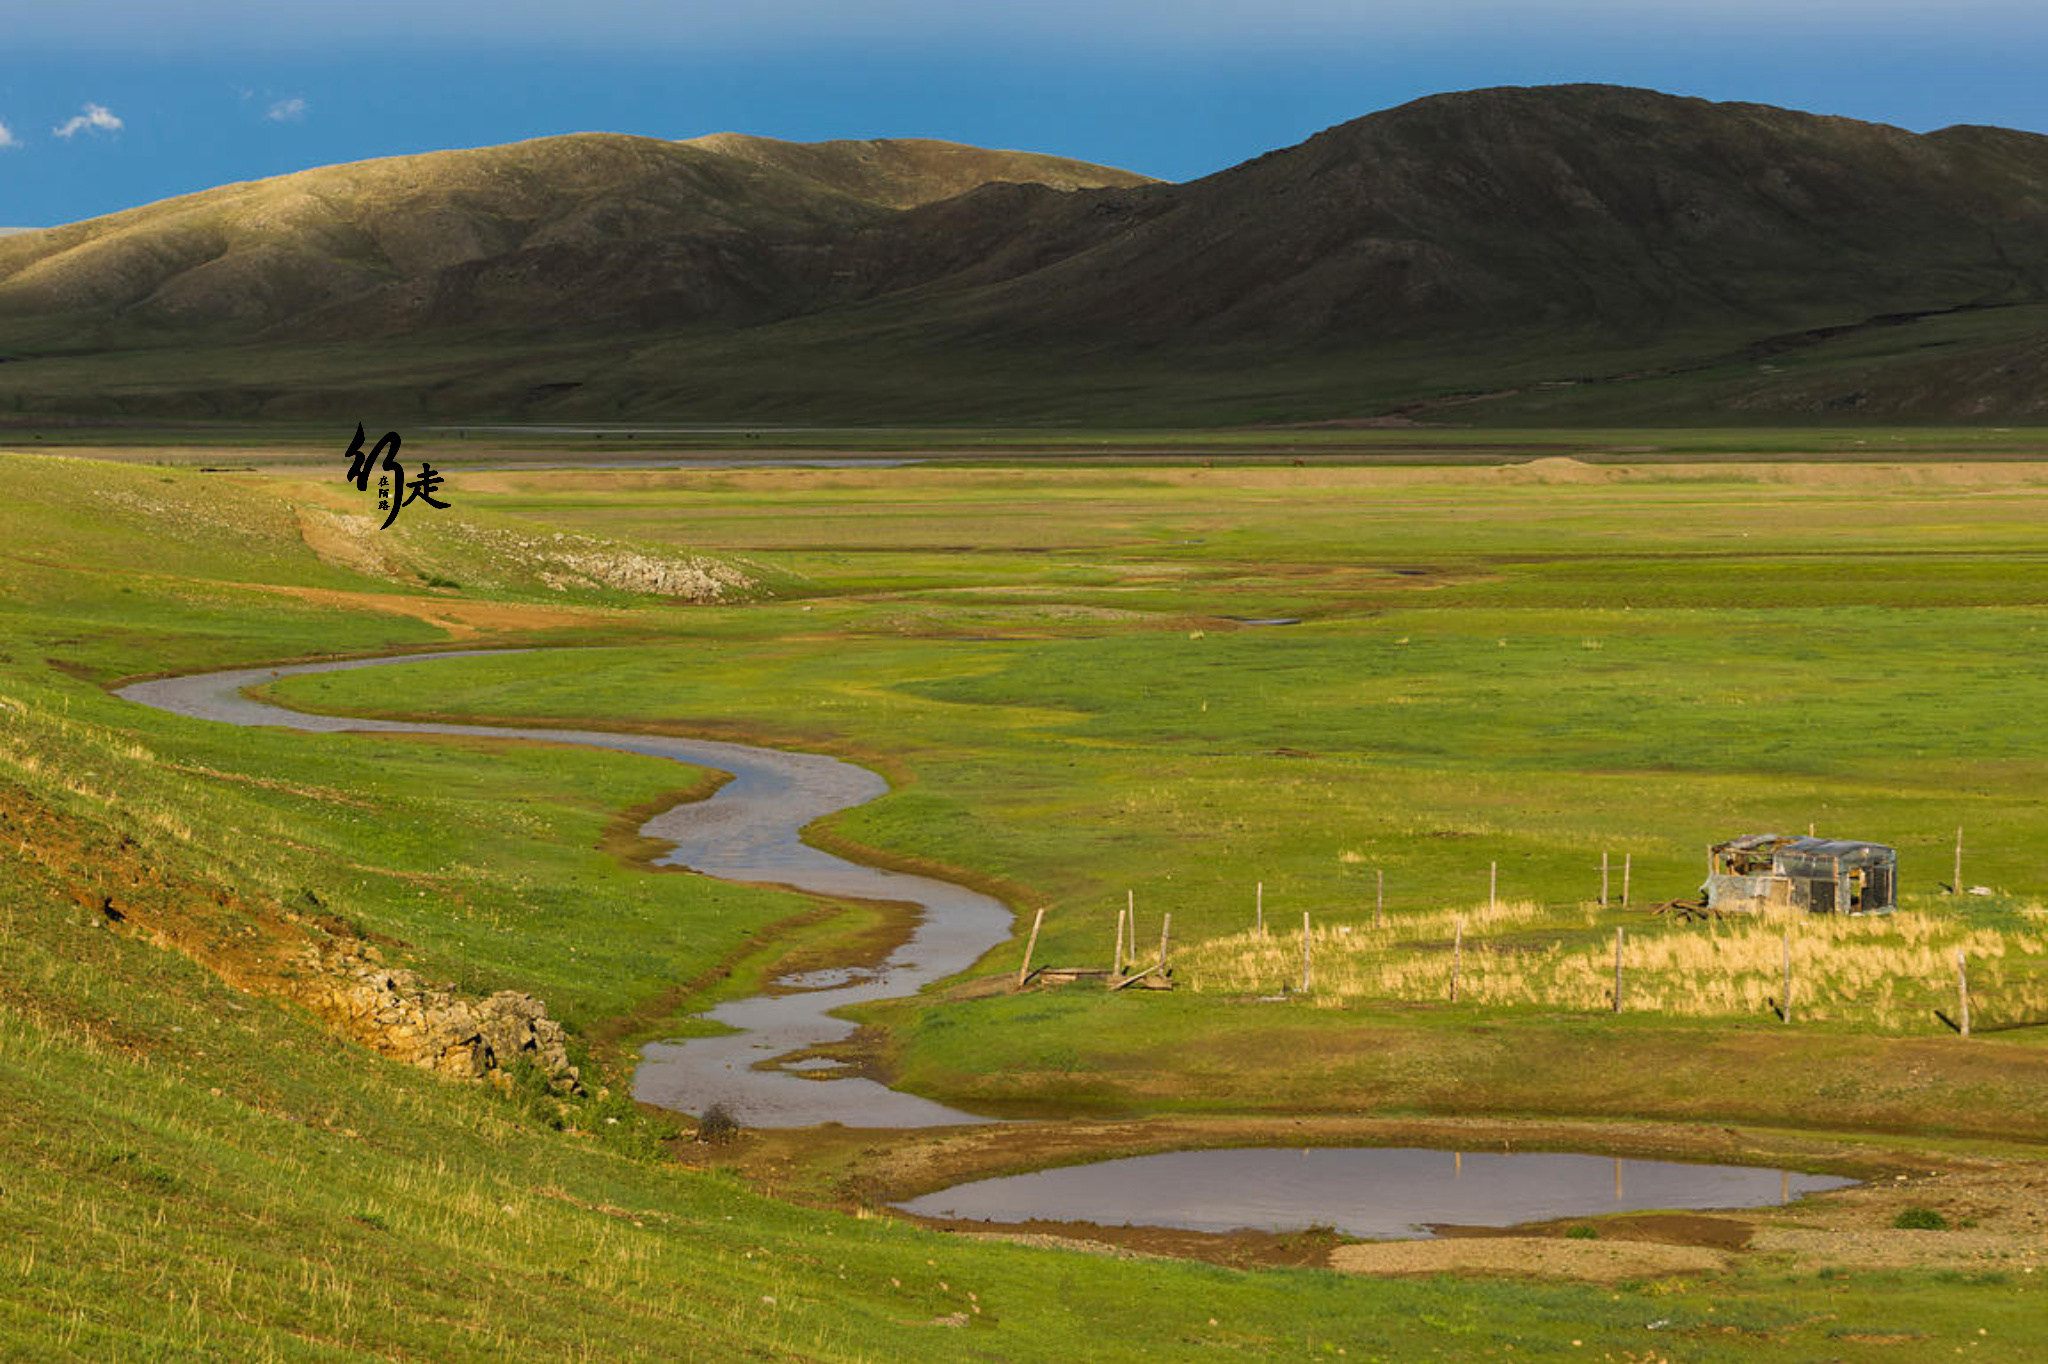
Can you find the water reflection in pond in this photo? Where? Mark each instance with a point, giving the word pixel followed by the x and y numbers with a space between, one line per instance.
pixel 1377 1193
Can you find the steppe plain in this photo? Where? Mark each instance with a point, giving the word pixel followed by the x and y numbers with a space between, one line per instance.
pixel 1521 649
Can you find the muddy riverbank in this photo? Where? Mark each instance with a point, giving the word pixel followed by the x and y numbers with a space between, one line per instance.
pixel 1995 1198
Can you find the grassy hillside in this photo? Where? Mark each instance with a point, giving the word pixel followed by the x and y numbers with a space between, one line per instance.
pixel 1565 254
pixel 532 237
pixel 904 172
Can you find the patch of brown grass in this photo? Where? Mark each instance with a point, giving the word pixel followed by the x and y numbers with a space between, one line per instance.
pixel 459 619
pixel 1887 972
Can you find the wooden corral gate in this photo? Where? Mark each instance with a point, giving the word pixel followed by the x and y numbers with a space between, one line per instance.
pixel 1123 974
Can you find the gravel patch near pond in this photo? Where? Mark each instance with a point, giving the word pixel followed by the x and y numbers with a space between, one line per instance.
pixel 1601 1261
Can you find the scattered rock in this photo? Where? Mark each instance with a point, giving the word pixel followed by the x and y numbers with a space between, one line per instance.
pixel 413 1020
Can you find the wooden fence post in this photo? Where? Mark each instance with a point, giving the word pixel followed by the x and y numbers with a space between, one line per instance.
pixel 1493 885
pixel 1959 860
pixel 1024 971
pixel 1165 931
pixel 1259 910
pixel 1379 896
pixel 1116 965
pixel 1307 972
pixel 1628 861
pixel 1457 956
pixel 1963 989
pixel 1603 880
pixel 1786 1015
pixel 1617 969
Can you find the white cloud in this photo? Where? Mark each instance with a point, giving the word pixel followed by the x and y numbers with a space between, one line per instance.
pixel 97 118
pixel 7 137
pixel 291 110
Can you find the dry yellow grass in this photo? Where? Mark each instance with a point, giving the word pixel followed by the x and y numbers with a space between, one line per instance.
pixel 1887 972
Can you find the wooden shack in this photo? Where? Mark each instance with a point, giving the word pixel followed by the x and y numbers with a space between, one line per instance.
pixel 1819 875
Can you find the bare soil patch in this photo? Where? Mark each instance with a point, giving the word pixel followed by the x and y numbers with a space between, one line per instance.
pixel 1997 1217
pixel 1237 1249
pixel 1600 1261
pixel 1653 1228
pixel 622 837
pixel 460 619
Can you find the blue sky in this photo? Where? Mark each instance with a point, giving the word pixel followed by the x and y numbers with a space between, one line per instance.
pixel 111 103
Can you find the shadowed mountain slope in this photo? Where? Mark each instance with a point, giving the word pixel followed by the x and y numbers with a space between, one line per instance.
pixel 1619 211
pixel 1571 250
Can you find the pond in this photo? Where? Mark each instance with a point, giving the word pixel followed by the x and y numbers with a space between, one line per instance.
pixel 1378 1193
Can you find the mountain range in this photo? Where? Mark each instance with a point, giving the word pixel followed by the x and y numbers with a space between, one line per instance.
pixel 1579 254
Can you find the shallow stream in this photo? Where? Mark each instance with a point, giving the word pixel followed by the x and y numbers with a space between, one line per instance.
pixel 748 830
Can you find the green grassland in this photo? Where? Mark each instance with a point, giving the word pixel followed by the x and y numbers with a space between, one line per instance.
pixel 1522 667
pixel 1507 667
pixel 310 448
pixel 904 361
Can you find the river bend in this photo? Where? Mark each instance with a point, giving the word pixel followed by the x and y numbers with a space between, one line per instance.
pixel 749 830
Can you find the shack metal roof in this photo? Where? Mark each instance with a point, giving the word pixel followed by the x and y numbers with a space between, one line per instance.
pixel 1780 844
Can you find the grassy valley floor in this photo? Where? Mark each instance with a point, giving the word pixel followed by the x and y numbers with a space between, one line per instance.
pixel 1059 671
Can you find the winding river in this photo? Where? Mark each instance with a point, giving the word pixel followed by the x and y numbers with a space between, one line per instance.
pixel 749 830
